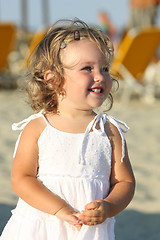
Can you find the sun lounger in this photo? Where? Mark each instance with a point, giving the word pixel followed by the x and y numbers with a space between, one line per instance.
pixel 134 54
pixel 7 43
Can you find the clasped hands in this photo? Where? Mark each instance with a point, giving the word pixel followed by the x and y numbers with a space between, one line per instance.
pixel 94 213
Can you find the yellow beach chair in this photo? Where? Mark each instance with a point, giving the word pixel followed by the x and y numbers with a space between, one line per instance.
pixel 7 43
pixel 134 54
pixel 38 36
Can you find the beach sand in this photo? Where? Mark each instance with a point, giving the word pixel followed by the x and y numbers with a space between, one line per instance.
pixel 141 219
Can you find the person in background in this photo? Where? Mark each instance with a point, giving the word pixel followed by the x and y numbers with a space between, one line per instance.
pixel 106 24
pixel 108 27
pixel 143 13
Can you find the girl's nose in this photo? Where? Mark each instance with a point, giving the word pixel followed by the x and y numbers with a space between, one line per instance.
pixel 98 77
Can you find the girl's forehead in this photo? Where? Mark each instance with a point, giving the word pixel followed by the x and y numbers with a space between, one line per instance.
pixel 80 45
pixel 81 51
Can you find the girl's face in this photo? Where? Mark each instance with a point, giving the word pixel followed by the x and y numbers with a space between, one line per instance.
pixel 87 80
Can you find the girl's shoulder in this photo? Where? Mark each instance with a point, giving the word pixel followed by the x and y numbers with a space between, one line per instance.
pixel 114 129
pixel 110 129
pixel 113 134
pixel 36 126
pixel 31 129
pixel 33 125
pixel 114 126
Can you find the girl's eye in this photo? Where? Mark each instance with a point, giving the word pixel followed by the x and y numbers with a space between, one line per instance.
pixel 87 68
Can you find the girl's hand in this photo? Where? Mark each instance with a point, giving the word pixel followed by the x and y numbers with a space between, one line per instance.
pixel 80 223
pixel 95 213
pixel 69 215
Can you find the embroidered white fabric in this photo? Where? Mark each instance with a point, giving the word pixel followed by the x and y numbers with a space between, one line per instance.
pixel 77 168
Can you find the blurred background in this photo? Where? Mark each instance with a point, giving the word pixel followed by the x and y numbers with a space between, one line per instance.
pixel 23 23
pixel 134 28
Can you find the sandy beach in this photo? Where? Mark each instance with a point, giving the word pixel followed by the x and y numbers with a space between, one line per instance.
pixel 141 220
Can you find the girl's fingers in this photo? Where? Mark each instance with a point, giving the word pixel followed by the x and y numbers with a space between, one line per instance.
pixel 78 226
pixel 92 217
pixel 93 220
pixel 95 213
pixel 71 219
pixel 91 213
pixel 79 221
pixel 92 205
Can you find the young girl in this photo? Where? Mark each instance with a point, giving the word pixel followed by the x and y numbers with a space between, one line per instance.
pixel 71 168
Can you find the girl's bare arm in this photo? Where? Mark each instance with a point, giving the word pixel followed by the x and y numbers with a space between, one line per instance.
pixel 122 184
pixel 24 176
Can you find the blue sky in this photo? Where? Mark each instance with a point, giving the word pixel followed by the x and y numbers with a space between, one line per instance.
pixel 86 10
pixel 83 9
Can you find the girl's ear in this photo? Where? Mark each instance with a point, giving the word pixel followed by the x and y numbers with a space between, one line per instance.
pixel 49 76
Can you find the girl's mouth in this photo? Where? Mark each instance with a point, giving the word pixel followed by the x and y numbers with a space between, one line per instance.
pixel 96 90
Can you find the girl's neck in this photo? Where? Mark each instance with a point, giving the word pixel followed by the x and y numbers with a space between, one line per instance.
pixel 71 121
pixel 75 113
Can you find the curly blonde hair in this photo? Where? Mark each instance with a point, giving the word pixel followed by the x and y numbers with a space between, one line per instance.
pixel 47 56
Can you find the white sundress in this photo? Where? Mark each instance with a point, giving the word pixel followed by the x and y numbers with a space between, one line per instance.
pixel 77 168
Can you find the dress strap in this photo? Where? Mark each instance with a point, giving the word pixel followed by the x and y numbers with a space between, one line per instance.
pixel 101 119
pixel 20 126
pixel 83 147
pixel 117 123
pixel 23 123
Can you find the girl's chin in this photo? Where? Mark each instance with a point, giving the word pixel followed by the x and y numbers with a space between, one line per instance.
pixel 97 105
